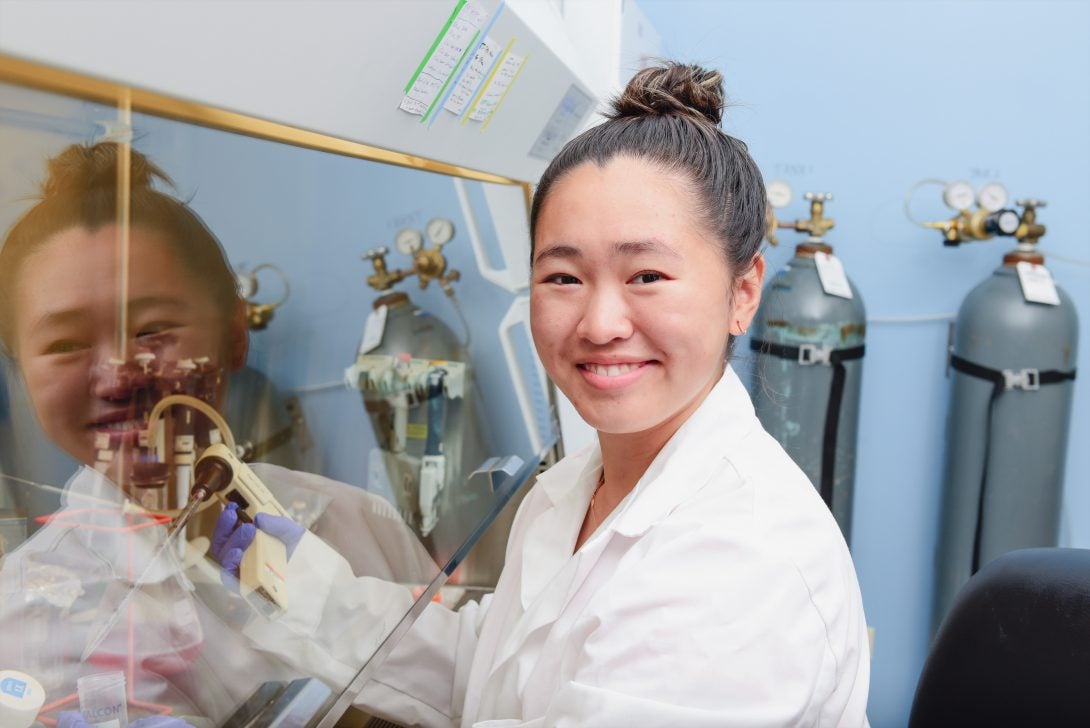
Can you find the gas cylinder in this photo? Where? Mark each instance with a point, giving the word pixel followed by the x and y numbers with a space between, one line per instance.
pixel 808 343
pixel 1012 364
pixel 418 387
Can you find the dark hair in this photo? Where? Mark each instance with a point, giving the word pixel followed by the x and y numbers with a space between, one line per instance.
pixel 82 192
pixel 669 115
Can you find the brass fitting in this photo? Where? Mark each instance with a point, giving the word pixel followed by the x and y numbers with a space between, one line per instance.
pixel 771 223
pixel 258 315
pixel 429 264
pixel 1029 230
pixel 963 227
pixel 951 229
pixel 383 279
pixel 818 224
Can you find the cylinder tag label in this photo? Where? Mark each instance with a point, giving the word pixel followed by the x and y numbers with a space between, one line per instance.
pixel 1037 283
pixel 834 281
pixel 373 330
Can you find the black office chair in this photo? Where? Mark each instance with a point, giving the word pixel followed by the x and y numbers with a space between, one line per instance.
pixel 1015 648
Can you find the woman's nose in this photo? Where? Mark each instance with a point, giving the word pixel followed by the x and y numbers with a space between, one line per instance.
pixel 606 318
pixel 112 378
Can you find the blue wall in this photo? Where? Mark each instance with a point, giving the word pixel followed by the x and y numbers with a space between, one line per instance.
pixel 864 99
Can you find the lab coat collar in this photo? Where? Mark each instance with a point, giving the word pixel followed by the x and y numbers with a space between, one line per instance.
pixel 571 474
pixel 685 463
pixel 550 539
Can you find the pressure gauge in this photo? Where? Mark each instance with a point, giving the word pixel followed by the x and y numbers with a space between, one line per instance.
pixel 247 284
pixel 1007 222
pixel 958 195
pixel 440 230
pixel 408 241
pixel 992 196
pixel 778 193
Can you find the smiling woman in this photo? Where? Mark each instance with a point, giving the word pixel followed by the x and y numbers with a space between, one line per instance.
pixel 693 528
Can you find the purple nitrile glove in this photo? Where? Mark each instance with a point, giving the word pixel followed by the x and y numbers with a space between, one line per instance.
pixel 229 541
pixel 281 527
pixel 71 719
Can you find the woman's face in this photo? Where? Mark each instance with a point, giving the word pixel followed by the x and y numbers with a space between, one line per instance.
pixel 67 323
pixel 631 301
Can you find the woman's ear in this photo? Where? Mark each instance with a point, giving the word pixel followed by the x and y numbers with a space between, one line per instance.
pixel 747 295
pixel 239 342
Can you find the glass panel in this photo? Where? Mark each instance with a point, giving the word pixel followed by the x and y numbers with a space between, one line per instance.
pixel 202 321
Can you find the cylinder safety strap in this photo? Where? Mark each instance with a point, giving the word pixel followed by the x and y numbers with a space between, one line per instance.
pixel 1002 380
pixel 808 355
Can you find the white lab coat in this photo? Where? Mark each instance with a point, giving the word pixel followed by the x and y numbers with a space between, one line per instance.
pixel 188 645
pixel 719 593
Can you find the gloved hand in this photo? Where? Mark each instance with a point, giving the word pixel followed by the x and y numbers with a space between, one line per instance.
pixel 230 540
pixel 73 719
pixel 288 531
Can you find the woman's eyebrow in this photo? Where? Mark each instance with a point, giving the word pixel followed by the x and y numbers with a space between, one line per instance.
pixel 637 247
pixel 143 303
pixel 558 251
pixel 80 313
pixel 60 318
pixel 628 248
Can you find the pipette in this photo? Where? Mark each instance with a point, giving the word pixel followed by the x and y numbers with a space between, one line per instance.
pixel 210 476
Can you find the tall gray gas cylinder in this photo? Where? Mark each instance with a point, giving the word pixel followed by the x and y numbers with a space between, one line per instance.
pixel 435 424
pixel 808 369
pixel 1012 368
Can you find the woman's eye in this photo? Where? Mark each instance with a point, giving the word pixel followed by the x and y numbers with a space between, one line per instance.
pixel 647 277
pixel 562 279
pixel 154 329
pixel 65 346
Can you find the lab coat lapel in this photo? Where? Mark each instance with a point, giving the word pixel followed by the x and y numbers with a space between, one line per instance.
pixel 549 571
pixel 550 604
pixel 550 539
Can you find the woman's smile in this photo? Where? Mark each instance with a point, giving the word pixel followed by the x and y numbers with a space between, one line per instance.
pixel 613 375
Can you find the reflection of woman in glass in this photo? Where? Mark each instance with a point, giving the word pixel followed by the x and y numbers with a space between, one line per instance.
pixel 93 332
pixel 75 319
pixel 60 277
pixel 682 572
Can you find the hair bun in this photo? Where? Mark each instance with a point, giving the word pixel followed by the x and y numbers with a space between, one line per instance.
pixel 80 168
pixel 674 89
